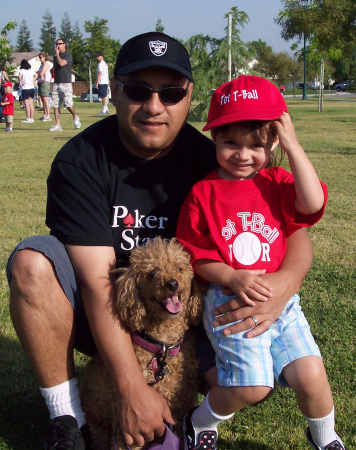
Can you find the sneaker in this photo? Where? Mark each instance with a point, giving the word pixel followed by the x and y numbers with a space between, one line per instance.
pixel 8 130
pixel 103 113
pixel 56 128
pixel 46 119
pixel 27 121
pixel 77 123
pixel 63 434
pixel 334 445
pixel 206 439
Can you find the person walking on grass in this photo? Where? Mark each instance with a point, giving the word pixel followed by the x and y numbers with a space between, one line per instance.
pixel 7 103
pixel 235 223
pixel 62 91
pixel 44 79
pixel 102 82
pixel 27 77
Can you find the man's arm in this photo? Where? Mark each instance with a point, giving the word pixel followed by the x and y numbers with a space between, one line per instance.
pixel 141 411
pixel 285 282
pixel 61 62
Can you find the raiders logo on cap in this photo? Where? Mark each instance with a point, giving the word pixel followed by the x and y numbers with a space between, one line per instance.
pixel 158 48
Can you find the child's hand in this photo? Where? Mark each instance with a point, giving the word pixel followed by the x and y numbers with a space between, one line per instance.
pixel 286 133
pixel 249 286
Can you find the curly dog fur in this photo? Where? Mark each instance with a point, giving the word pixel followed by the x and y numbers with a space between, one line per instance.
pixel 156 295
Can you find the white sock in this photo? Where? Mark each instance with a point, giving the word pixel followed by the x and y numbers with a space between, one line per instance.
pixel 204 418
pixel 323 429
pixel 64 400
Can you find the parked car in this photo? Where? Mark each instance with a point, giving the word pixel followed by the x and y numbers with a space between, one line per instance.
pixel 344 86
pixel 85 96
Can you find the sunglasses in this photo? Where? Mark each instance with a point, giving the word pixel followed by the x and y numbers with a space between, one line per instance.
pixel 59 43
pixel 141 93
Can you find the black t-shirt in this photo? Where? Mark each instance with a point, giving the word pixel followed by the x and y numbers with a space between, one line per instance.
pixel 63 74
pixel 100 194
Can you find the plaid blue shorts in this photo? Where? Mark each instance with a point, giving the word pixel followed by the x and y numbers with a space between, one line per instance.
pixel 258 361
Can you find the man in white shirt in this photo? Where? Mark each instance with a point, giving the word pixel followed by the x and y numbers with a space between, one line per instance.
pixel 102 81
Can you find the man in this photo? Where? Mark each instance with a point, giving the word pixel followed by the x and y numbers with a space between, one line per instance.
pixel 102 82
pixel 62 91
pixel 114 186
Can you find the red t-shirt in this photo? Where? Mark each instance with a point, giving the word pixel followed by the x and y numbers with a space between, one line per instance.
pixel 243 223
pixel 8 109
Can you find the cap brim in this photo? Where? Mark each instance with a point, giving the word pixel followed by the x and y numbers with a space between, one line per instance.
pixel 243 116
pixel 139 65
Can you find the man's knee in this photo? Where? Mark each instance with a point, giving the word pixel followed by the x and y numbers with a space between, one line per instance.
pixel 30 269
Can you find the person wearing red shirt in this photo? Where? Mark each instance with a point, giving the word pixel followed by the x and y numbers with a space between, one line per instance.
pixel 235 223
pixel 8 104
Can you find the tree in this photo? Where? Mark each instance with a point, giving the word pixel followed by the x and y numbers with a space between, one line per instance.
pixel 46 43
pixel 98 40
pixel 159 26
pixel 5 49
pixel 24 42
pixel 209 58
pixel 66 32
pixel 329 25
pixel 78 51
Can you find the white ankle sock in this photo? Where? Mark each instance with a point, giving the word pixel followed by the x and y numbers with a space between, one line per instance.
pixel 64 399
pixel 204 418
pixel 323 429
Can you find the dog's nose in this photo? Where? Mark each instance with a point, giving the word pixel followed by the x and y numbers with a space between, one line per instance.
pixel 172 285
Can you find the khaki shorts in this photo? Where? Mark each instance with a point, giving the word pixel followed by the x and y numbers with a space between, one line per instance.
pixel 62 93
pixel 8 118
pixel 43 89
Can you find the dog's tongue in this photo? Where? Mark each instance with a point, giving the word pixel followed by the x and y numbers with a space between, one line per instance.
pixel 172 304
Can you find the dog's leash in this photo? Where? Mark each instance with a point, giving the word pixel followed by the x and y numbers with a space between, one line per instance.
pixel 170 441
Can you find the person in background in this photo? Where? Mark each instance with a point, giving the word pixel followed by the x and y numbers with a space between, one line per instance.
pixel 44 78
pixel 102 82
pixel 62 90
pixel 27 76
pixel 7 103
pixel 3 78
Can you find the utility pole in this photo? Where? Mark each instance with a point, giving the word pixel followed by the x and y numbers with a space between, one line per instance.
pixel 229 42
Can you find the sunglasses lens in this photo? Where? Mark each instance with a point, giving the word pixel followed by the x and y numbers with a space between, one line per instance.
pixel 172 95
pixel 136 92
pixel 168 96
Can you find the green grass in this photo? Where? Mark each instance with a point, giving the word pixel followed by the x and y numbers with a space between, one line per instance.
pixel 328 294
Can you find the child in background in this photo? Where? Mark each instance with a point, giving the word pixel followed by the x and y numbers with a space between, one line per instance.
pixel 235 223
pixel 8 104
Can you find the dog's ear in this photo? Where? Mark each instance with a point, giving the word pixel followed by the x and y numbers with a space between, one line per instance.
pixel 195 303
pixel 128 304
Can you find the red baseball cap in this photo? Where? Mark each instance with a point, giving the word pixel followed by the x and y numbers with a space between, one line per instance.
pixel 248 97
pixel 7 83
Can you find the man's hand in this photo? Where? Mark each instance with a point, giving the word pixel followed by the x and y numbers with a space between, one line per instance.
pixel 285 282
pixel 142 415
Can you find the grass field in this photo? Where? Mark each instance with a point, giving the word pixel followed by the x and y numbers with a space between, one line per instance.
pixel 328 295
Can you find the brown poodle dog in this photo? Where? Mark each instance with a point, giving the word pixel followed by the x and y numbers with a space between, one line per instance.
pixel 158 299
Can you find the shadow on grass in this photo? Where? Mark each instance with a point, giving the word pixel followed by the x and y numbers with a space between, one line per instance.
pixel 23 414
pixel 242 444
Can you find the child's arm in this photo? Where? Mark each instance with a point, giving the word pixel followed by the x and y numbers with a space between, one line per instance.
pixel 310 196
pixel 246 284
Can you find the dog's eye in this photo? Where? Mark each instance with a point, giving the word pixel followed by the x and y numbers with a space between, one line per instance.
pixel 152 274
pixel 179 269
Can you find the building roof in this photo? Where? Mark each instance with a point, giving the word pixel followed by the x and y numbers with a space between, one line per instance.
pixel 18 57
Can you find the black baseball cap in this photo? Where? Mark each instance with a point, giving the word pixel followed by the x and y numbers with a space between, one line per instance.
pixel 100 54
pixel 153 49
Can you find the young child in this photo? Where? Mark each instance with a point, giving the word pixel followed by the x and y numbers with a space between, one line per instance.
pixel 8 104
pixel 235 223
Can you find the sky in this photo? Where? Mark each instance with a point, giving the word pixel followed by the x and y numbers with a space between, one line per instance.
pixel 126 18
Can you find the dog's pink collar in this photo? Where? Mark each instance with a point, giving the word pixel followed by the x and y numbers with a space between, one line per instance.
pixel 155 346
